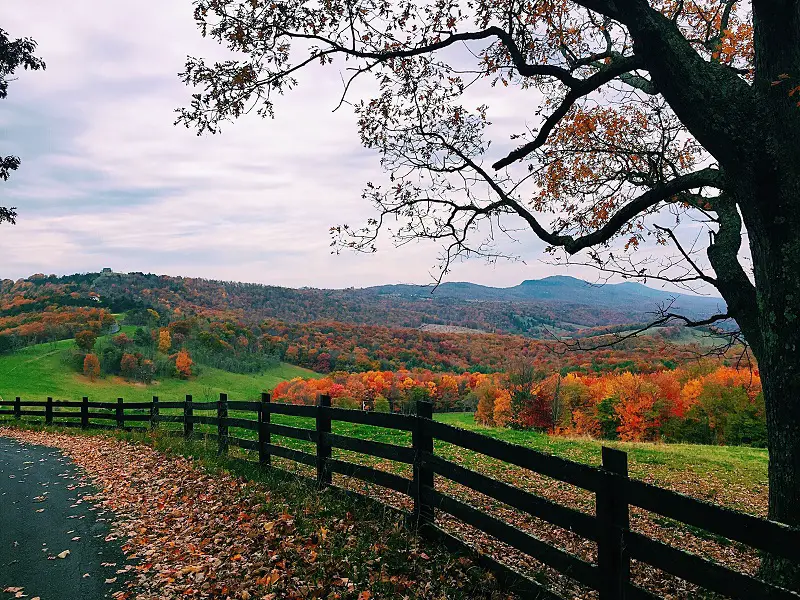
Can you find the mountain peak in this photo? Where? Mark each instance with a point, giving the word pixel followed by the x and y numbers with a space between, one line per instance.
pixel 555 279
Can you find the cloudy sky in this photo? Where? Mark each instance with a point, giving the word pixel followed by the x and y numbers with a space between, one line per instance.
pixel 108 181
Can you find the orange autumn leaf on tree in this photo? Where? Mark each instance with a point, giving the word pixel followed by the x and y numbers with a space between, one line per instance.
pixel 183 364
pixel 487 393
pixel 502 409
pixel 91 366
pixel 691 392
pixel 128 364
pixel 86 340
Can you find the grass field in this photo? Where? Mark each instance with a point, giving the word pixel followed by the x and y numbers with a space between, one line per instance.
pixel 735 477
pixel 36 372
pixel 727 474
pixel 729 464
pixel 732 476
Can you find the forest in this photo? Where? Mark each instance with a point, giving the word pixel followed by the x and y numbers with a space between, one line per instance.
pixel 649 387
pixel 253 302
pixel 702 403
pixel 333 346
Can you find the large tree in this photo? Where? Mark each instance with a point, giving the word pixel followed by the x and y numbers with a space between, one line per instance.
pixel 13 55
pixel 636 117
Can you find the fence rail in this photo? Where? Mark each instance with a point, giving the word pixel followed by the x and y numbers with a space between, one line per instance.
pixel 615 493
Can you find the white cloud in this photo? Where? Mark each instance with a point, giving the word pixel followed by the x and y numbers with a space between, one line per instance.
pixel 107 180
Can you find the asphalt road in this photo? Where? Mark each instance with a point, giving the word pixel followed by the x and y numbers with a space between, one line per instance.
pixel 42 514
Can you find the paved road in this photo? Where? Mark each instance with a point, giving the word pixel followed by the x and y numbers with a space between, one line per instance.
pixel 41 515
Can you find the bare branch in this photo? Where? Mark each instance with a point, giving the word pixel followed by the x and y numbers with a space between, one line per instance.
pixel 664 318
pixel 649 199
pixel 699 271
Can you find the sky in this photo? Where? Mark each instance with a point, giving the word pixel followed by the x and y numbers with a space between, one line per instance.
pixel 107 180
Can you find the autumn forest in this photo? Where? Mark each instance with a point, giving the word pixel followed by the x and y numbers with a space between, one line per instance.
pixel 665 385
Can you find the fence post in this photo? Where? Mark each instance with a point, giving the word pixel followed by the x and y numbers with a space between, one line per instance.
pixel 423 477
pixel 120 414
pixel 264 438
pixel 17 408
pixel 85 413
pixel 188 415
pixel 613 520
pixel 48 412
pixel 154 413
pixel 323 443
pixel 222 424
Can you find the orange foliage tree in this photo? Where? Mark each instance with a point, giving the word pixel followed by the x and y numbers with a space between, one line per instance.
pixel 721 405
pixel 503 415
pixel 85 340
pixel 128 365
pixel 487 395
pixel 91 367
pixel 183 364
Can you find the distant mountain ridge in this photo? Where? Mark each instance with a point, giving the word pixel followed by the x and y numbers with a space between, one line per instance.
pixel 627 296
pixel 558 305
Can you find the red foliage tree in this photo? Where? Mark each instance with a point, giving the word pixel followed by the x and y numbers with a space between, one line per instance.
pixel 128 365
pixel 86 340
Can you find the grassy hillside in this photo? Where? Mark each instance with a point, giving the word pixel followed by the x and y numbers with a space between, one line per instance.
pixel 735 476
pixel 668 464
pixel 37 372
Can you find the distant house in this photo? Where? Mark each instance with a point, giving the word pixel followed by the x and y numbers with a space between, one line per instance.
pixel 107 271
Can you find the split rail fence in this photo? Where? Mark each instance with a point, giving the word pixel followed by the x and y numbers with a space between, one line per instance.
pixel 614 491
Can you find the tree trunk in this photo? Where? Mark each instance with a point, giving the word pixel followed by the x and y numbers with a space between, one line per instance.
pixel 775 246
pixel 774 231
pixel 781 384
pixel 772 219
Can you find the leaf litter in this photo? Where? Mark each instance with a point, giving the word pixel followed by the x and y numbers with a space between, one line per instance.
pixel 192 532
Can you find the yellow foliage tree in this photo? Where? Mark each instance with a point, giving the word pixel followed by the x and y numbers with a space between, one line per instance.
pixel 485 412
pixel 164 341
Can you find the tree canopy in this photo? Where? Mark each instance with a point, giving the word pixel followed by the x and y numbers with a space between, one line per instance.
pixel 612 146
pixel 13 55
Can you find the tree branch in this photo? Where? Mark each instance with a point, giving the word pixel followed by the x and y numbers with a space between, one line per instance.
pixel 732 281
pixel 659 322
pixel 703 94
pixel 577 91
pixel 686 256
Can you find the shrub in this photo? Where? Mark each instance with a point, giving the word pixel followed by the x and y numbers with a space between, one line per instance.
pixel 73 358
pixel 346 402
pixel 381 404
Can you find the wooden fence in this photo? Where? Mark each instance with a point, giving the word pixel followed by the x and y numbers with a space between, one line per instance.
pixel 614 491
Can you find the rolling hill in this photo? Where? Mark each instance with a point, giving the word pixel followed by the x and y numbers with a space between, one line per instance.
pixel 534 308
pixel 37 372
